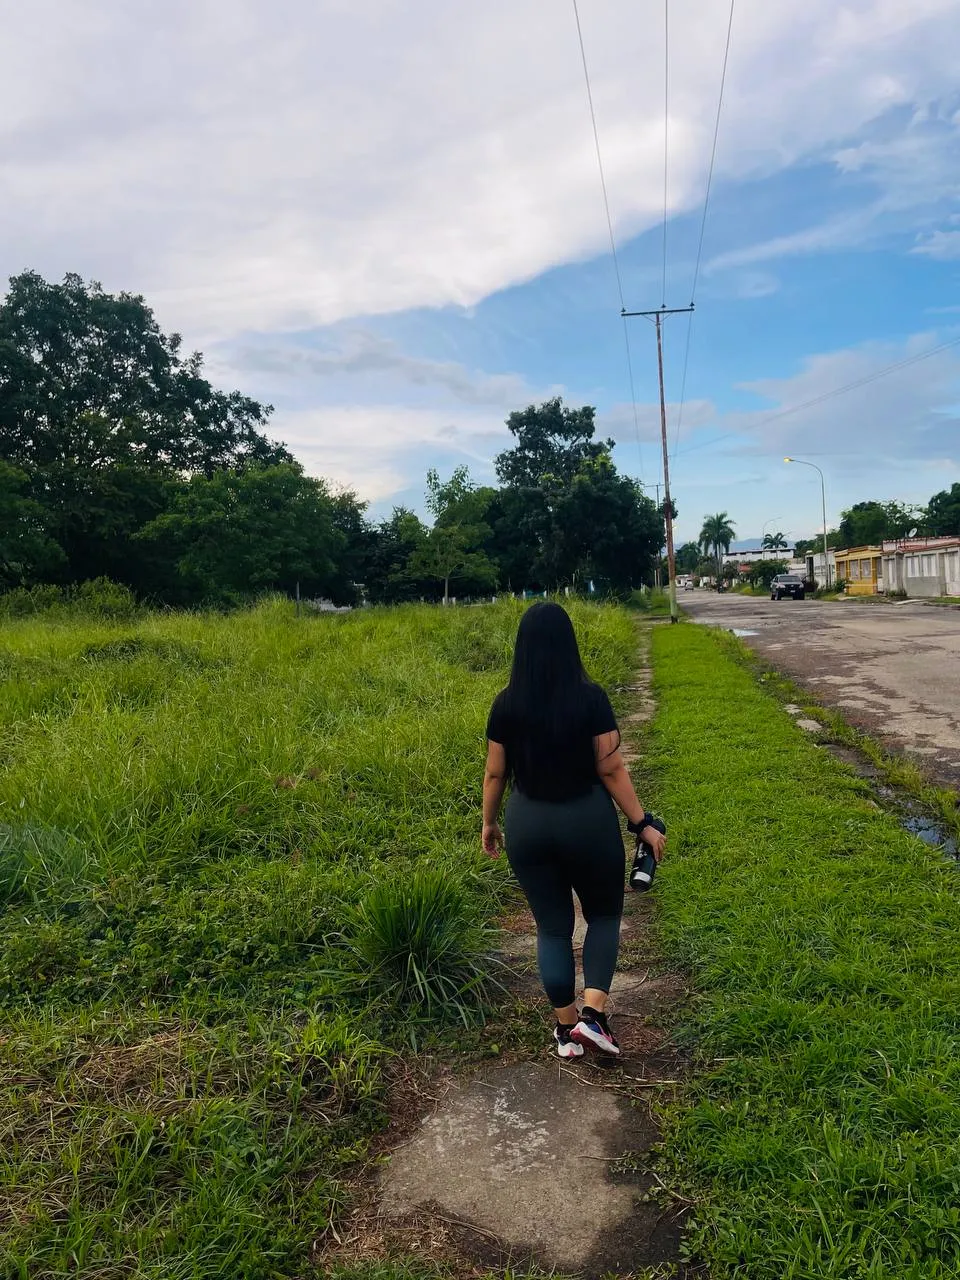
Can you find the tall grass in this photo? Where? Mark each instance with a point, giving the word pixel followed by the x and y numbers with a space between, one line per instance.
pixel 823 1139
pixel 239 865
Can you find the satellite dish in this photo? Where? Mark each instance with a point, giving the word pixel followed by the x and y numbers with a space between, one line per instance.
pixel 912 533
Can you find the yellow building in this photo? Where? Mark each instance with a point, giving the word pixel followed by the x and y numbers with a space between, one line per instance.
pixel 862 570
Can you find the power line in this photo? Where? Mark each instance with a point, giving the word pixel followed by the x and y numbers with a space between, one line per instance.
pixel 613 242
pixel 703 225
pixel 713 152
pixel 837 391
pixel 666 133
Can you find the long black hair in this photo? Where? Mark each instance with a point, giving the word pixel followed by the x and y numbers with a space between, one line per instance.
pixel 548 696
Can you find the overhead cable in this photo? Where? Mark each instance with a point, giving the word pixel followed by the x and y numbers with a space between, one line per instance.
pixel 703 224
pixel 829 395
pixel 613 242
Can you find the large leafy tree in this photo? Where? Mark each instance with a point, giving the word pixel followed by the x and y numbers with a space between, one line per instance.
pixel 104 414
pixel 943 512
pixel 551 443
pixel 564 513
pixel 237 533
pixel 774 542
pixel 868 523
pixel 715 537
pixel 605 529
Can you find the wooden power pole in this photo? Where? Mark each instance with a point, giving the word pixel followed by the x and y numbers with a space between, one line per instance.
pixel 658 317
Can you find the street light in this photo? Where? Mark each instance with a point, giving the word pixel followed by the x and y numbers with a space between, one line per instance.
pixel 764 534
pixel 823 502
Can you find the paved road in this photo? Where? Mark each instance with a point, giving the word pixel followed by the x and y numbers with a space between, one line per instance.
pixel 893 670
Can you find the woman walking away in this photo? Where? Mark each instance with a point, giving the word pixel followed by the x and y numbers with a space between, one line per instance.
pixel 553 736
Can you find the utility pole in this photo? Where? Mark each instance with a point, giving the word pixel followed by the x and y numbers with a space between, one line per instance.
pixel 658 317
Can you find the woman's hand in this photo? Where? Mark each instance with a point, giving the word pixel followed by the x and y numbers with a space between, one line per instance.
pixel 656 840
pixel 492 839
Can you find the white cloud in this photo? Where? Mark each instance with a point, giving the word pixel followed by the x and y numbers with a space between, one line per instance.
pixel 378 450
pixel 256 167
pixel 908 415
pixel 943 245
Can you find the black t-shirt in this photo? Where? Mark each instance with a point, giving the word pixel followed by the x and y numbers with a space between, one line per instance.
pixel 556 768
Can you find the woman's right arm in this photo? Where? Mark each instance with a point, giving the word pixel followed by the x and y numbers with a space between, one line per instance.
pixel 612 771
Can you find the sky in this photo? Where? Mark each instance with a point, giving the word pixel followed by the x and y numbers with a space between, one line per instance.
pixel 386 220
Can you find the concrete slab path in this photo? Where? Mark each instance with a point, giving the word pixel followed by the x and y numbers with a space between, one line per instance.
pixel 546 1162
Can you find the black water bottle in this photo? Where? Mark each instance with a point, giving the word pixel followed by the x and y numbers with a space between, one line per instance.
pixel 644 863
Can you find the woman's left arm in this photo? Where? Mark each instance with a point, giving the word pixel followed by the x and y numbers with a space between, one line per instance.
pixel 494 785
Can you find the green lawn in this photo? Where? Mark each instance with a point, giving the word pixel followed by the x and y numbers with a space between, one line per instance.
pixel 823 1138
pixel 221 841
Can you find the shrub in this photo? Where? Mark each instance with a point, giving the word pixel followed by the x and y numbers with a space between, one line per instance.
pixel 419 939
pixel 23 602
pixel 101 598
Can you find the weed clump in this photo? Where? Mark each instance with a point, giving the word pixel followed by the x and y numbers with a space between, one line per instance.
pixel 421 946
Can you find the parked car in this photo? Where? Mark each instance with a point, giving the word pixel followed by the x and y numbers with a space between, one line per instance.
pixel 788 584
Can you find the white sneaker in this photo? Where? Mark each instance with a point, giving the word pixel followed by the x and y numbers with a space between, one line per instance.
pixel 566 1047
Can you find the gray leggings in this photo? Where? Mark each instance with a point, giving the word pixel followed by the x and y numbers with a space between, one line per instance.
pixel 556 848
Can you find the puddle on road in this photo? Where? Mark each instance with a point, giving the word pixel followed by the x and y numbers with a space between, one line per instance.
pixel 739 631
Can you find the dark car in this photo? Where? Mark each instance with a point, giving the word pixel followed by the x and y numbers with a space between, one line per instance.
pixel 788 584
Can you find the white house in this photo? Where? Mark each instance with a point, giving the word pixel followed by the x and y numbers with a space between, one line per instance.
pixel 756 555
pixel 814 568
pixel 922 566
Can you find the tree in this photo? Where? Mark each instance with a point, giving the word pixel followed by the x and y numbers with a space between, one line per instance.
pixel 237 533
pixel 807 546
pixel 552 442
pixel 774 542
pixel 716 536
pixel 454 546
pixel 106 417
pixel 27 552
pixel 687 558
pixel 520 531
pixel 358 537
pixel 943 512
pixel 868 523
pixel 72 355
pixel 606 530
pixel 388 576
pixel 763 572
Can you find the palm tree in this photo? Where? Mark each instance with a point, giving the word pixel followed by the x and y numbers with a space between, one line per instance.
pixel 774 542
pixel 716 536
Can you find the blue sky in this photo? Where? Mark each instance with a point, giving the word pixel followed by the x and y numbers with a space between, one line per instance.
pixel 388 222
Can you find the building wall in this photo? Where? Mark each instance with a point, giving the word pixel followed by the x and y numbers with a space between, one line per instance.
pixel 861 570
pixel 923 570
pixel 922 587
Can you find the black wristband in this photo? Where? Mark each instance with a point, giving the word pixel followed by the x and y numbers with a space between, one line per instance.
pixel 636 827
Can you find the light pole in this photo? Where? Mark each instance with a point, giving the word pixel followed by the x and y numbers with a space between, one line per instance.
pixel 823 504
pixel 763 554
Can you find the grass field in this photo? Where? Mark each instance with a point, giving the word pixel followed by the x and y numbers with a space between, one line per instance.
pixel 239 870
pixel 822 1140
